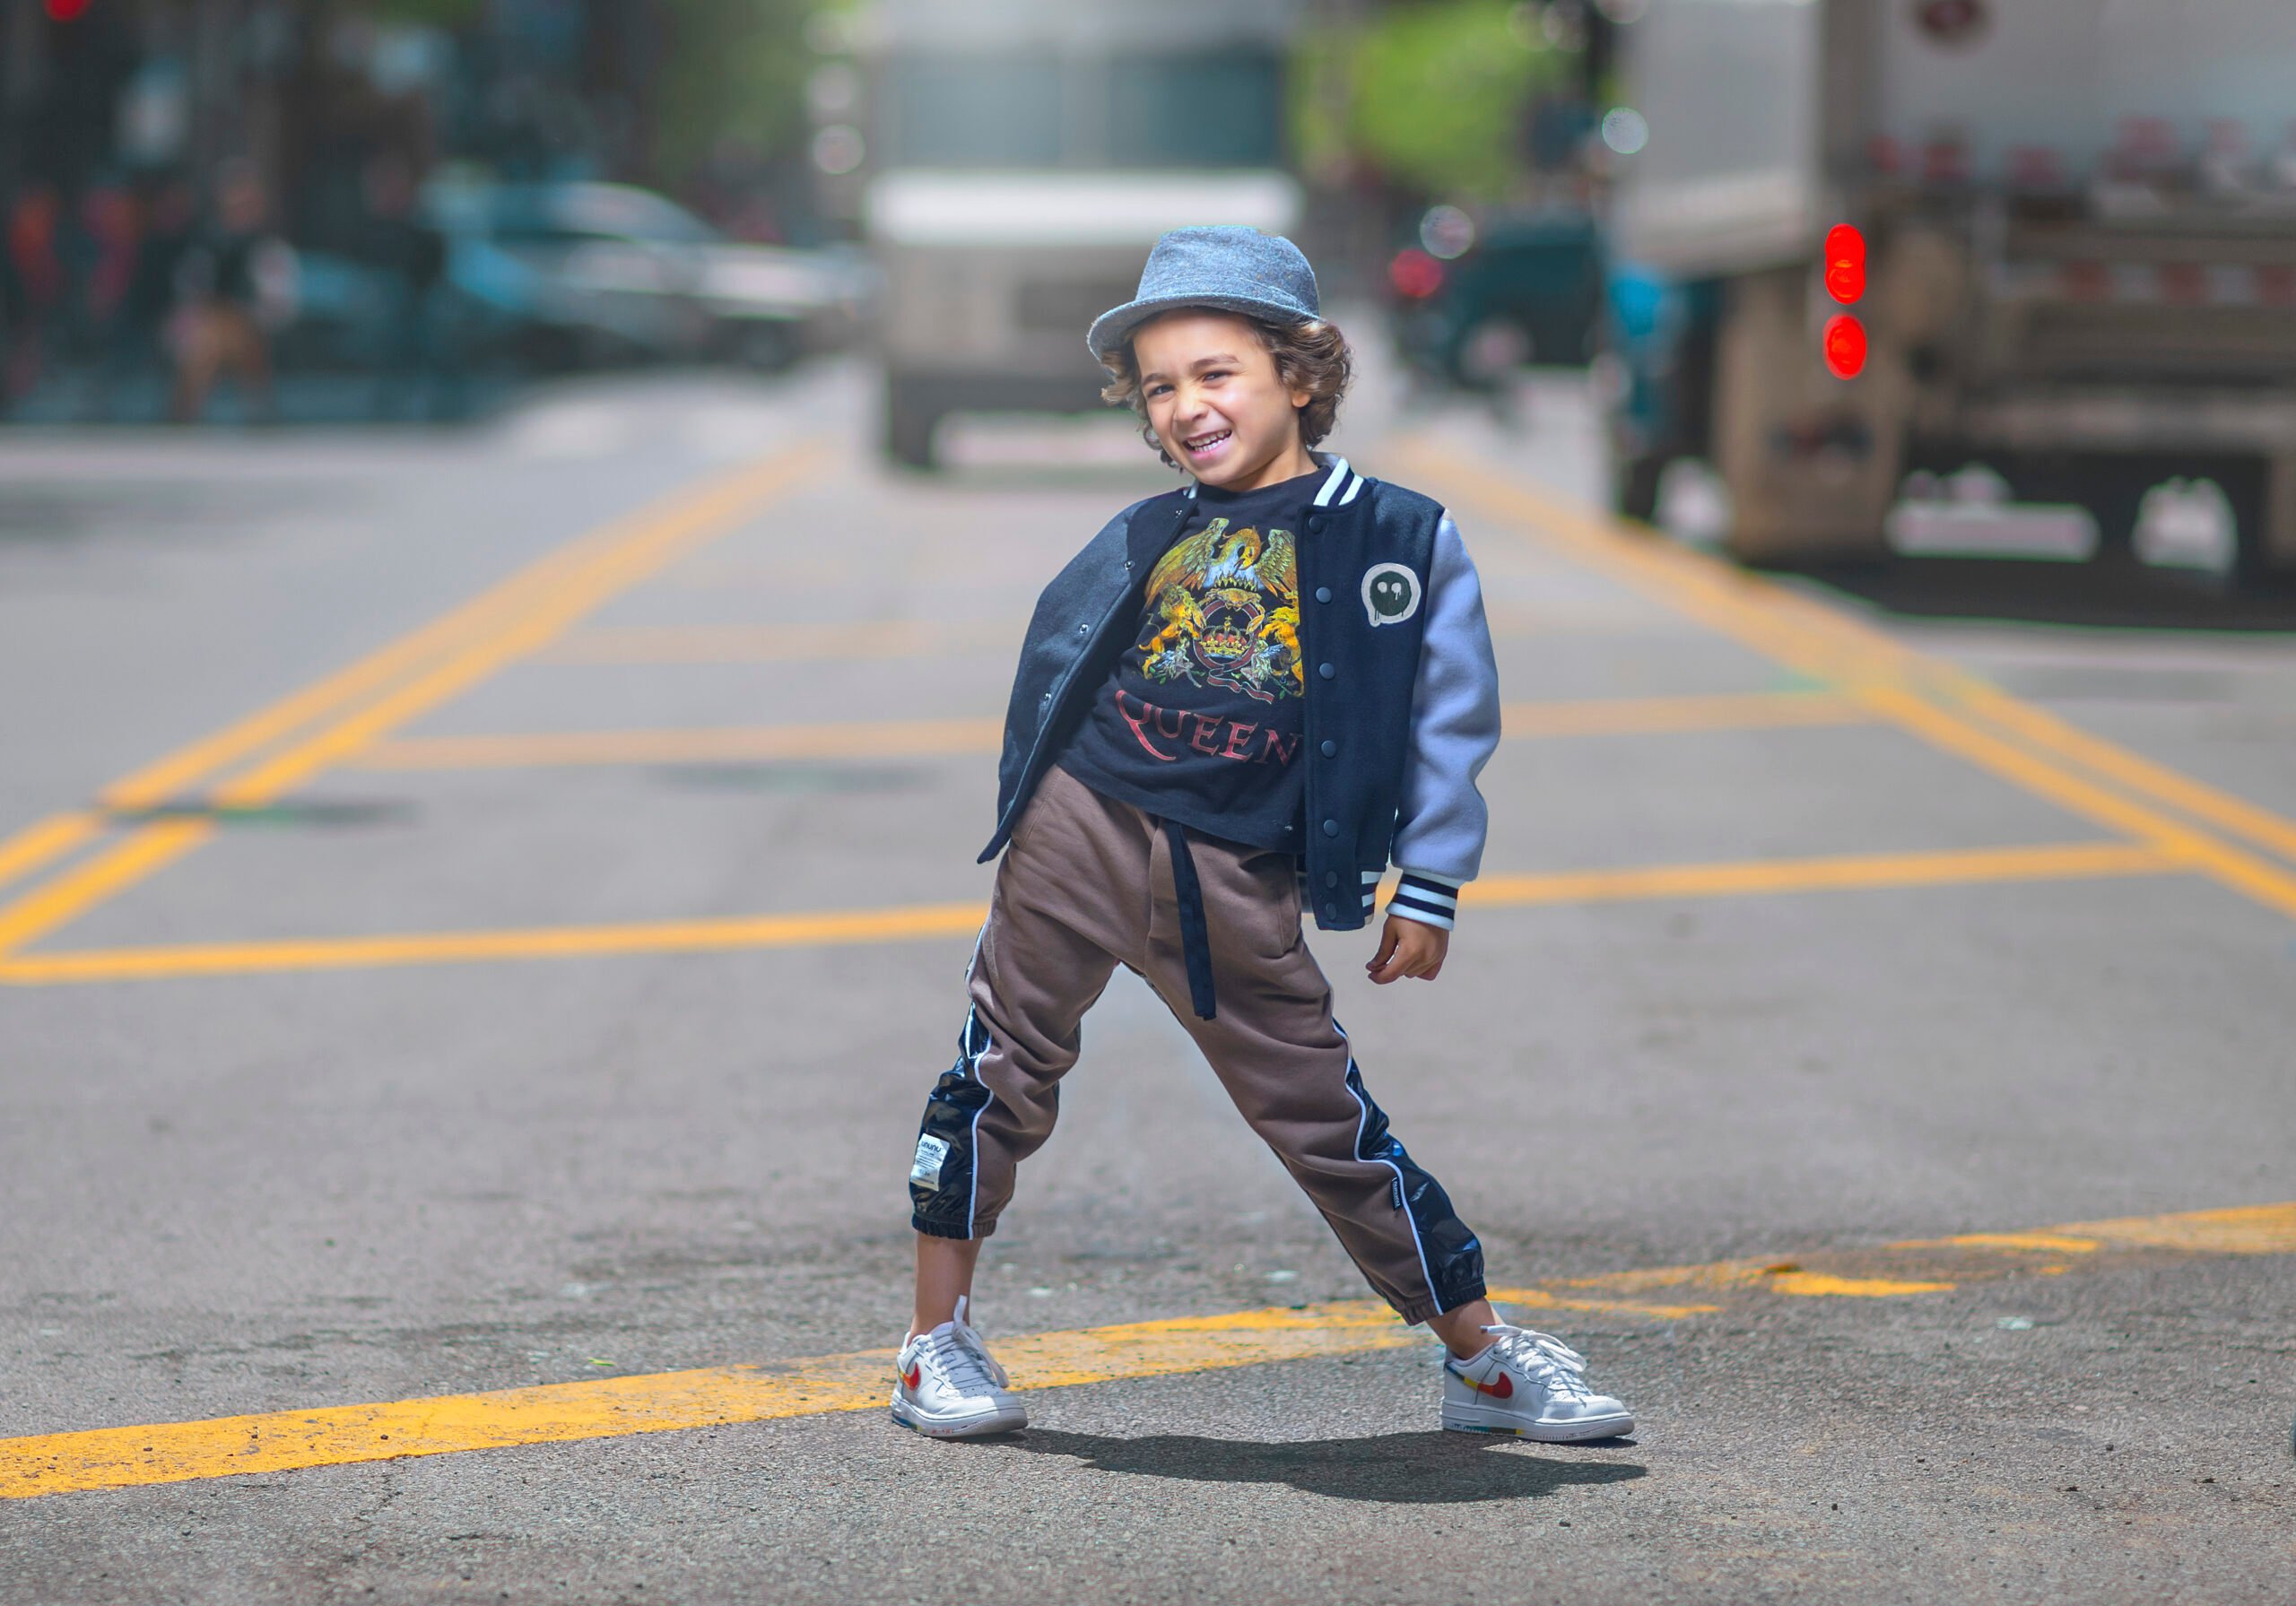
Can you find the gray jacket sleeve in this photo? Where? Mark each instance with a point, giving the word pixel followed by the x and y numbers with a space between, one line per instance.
pixel 1454 730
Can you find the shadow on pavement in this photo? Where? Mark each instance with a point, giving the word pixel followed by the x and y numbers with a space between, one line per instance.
pixel 1410 1468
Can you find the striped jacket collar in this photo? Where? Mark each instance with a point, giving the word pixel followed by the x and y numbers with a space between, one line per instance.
pixel 1340 486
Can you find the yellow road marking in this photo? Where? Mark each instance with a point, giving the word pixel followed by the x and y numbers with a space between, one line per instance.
pixel 2248 1229
pixel 482 644
pixel 802 639
pixel 157 782
pixel 144 851
pixel 923 737
pixel 1898 683
pixel 780 643
pixel 897 925
pixel 2052 1243
pixel 2258 879
pixel 2237 815
pixel 666 1401
pixel 1818 1285
pixel 1848 873
pixel 1845 873
pixel 859 738
pixel 46 841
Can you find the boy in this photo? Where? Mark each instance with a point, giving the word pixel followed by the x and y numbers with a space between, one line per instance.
pixel 1242 698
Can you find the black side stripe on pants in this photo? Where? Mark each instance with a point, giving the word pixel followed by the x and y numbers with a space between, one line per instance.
pixel 1451 1254
pixel 941 1180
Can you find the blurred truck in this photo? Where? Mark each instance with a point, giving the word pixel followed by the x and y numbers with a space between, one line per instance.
pixel 2080 275
pixel 1026 153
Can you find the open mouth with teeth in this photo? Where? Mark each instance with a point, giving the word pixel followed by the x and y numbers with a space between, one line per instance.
pixel 1204 445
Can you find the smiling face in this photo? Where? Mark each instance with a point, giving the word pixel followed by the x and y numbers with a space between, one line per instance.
pixel 1214 399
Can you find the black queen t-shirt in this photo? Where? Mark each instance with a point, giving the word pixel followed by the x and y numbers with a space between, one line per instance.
pixel 1200 719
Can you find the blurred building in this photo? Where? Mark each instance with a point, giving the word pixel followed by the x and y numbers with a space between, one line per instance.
pixel 308 93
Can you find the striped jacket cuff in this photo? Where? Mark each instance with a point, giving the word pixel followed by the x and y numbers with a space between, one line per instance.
pixel 1427 899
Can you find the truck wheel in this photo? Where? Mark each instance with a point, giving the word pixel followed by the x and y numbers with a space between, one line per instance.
pixel 1635 492
pixel 908 432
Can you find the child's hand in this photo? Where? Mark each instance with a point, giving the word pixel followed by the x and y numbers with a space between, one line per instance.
pixel 1409 948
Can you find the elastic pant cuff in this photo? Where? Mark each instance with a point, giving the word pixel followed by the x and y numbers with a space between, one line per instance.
pixel 951 1229
pixel 1418 1310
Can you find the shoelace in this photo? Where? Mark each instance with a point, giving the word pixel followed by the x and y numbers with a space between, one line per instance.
pixel 961 1359
pixel 1541 1354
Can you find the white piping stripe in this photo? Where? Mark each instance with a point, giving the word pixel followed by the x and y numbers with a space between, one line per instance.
pixel 1339 472
pixel 972 1069
pixel 1354 486
pixel 1363 1119
pixel 1373 875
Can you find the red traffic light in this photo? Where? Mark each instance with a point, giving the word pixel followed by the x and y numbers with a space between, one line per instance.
pixel 1844 346
pixel 1845 263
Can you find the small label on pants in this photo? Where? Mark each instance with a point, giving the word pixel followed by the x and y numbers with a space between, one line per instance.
pixel 930 1152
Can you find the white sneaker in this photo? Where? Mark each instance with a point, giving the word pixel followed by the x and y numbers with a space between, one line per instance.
pixel 949 1388
pixel 1529 1383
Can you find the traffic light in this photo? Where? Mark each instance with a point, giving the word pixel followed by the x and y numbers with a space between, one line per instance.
pixel 1844 340
pixel 1845 263
pixel 63 11
pixel 1844 346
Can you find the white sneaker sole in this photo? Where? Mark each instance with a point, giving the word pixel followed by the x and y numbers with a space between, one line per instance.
pixel 978 1425
pixel 1468 1419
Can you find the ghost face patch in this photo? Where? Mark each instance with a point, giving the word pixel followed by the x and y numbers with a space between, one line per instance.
pixel 1390 594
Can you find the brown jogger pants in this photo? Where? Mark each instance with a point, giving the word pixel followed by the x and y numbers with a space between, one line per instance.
pixel 1086 885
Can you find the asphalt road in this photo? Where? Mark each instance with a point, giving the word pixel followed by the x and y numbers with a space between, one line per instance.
pixel 542 1000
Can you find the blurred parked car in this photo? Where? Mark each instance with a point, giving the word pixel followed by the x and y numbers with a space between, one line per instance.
pixel 1513 291
pixel 581 274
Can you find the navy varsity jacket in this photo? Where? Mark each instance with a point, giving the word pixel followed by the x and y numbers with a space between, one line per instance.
pixel 1402 704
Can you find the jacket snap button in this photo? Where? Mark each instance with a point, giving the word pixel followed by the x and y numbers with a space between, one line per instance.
pixel 1331 828
pixel 1330 912
pixel 1326 670
pixel 1331 749
pixel 1315 522
pixel 1323 594
pixel 1331 878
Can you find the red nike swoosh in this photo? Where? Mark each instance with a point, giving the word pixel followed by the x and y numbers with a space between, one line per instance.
pixel 914 1375
pixel 1504 1389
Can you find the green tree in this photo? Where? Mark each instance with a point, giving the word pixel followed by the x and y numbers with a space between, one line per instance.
pixel 730 68
pixel 1434 93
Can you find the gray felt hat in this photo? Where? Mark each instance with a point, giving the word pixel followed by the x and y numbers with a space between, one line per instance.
pixel 1226 265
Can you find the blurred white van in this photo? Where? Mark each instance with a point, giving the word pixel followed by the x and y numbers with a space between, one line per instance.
pixel 1025 154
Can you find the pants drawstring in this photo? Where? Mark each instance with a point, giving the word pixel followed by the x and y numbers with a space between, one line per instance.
pixel 1195 942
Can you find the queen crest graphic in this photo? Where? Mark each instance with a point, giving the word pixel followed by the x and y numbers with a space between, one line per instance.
pixel 1224 611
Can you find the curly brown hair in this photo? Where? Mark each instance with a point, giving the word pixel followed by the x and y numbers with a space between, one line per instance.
pixel 1312 356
